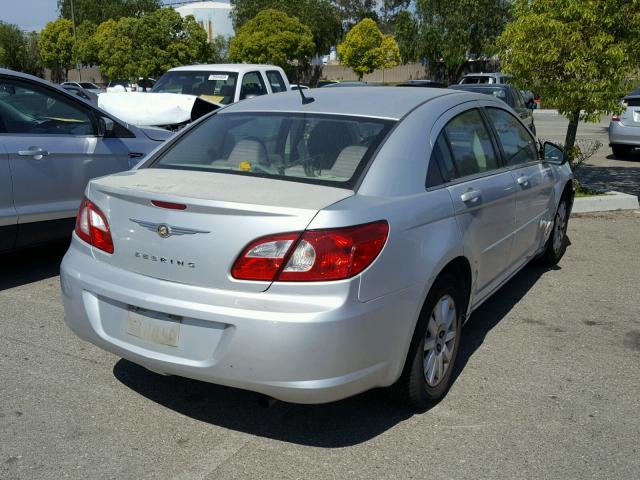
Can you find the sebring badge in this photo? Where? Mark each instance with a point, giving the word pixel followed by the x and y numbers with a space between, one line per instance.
pixel 165 230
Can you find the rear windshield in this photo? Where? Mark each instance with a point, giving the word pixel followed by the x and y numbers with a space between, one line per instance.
pixel 311 148
pixel 218 87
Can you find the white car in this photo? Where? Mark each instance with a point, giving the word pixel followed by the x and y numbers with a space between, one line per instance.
pixel 184 94
pixel 89 86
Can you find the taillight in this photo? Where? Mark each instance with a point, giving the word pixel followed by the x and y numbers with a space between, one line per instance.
pixel 313 255
pixel 615 118
pixel 92 227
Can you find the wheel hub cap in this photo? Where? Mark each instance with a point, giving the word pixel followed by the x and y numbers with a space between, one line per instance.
pixel 440 340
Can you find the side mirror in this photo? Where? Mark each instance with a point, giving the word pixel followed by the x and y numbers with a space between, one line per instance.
pixel 552 153
pixel 106 127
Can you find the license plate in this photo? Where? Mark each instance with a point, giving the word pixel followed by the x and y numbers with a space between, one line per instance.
pixel 154 327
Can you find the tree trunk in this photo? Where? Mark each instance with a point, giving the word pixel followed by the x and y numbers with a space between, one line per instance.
pixel 572 130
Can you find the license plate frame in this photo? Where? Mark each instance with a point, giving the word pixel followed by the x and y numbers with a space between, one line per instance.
pixel 154 327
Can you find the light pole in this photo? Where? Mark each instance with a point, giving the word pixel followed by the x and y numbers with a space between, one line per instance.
pixel 73 23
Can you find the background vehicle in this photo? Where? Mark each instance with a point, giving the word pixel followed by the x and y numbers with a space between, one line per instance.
pixel 80 92
pixel 91 87
pixel 509 95
pixel 51 144
pixel 310 251
pixel 299 87
pixel 624 129
pixel 142 85
pixel 422 83
pixel 183 94
pixel 485 78
pixel 349 83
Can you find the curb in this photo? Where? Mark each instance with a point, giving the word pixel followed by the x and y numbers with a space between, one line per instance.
pixel 604 203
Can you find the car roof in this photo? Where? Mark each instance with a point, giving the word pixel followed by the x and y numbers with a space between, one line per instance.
pixel 227 67
pixel 389 103
pixel 490 74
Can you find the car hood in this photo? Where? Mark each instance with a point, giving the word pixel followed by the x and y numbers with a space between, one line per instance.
pixel 155 109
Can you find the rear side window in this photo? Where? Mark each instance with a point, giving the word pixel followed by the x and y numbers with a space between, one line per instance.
pixel 310 148
pixel 276 81
pixel 441 167
pixel 470 144
pixel 252 86
pixel 517 144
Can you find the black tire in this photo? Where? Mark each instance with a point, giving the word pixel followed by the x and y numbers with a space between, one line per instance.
pixel 621 151
pixel 555 247
pixel 412 388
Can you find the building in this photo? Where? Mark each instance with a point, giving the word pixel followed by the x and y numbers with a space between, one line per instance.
pixel 214 17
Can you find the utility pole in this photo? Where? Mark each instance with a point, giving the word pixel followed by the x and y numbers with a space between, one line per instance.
pixel 73 22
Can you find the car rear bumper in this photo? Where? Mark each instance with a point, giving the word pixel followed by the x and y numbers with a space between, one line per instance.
pixel 305 348
pixel 620 134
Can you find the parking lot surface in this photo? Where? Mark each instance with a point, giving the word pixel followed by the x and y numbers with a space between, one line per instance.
pixel 547 386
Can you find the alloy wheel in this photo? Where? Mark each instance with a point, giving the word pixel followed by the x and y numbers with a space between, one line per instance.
pixel 440 340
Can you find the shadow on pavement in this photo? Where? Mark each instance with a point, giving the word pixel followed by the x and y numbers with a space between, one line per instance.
pixel 340 424
pixel 622 179
pixel 31 265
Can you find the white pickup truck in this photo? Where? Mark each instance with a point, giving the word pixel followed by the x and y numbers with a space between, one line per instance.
pixel 184 94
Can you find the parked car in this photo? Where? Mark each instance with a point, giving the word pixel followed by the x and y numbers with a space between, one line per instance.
pixel 485 78
pixel 299 87
pixel 348 83
pixel 89 86
pixel 509 95
pixel 313 250
pixel 624 129
pixel 422 83
pixel 87 95
pixel 183 94
pixel 51 144
pixel 120 86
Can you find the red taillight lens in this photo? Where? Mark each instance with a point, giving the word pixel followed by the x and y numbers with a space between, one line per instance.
pixel 169 205
pixel 314 255
pixel 93 228
pixel 615 118
pixel 263 258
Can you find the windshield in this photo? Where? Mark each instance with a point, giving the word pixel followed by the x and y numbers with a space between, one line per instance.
pixel 218 87
pixel 312 148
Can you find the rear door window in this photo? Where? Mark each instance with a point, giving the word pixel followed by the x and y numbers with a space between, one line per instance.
pixel 470 143
pixel 276 81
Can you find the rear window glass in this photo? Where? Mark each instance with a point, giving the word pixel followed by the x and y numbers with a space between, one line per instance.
pixel 312 148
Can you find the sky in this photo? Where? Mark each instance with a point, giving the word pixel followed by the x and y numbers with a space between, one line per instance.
pixel 28 14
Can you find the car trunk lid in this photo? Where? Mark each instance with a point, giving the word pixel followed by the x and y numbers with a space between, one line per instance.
pixel 222 213
pixel 631 116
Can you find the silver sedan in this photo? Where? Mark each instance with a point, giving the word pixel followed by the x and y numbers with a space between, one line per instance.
pixel 624 129
pixel 313 250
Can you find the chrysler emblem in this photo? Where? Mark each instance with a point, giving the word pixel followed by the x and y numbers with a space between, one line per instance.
pixel 166 231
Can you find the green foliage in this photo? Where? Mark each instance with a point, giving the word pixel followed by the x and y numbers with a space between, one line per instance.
pixel 353 11
pixel 576 55
pixel 150 45
pixel 218 50
pixel 97 11
pixel 19 51
pixel 323 17
pixel 56 47
pixel 447 33
pixel 85 49
pixel 273 37
pixel 366 48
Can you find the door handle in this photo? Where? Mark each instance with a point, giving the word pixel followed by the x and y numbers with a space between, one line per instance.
pixel 136 154
pixel 523 181
pixel 35 152
pixel 471 196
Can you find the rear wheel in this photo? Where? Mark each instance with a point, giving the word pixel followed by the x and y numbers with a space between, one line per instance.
pixel 426 376
pixel 557 243
pixel 621 151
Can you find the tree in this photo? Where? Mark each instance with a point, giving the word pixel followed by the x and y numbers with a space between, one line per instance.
pixel 273 37
pixel 19 50
pixel 150 45
pixel 366 48
pixel 447 34
pixel 576 55
pixel 85 49
pixel 56 47
pixel 353 11
pixel 98 11
pixel 218 50
pixel 323 17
